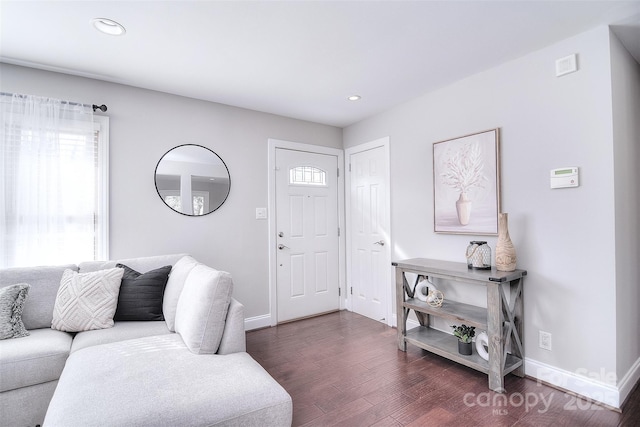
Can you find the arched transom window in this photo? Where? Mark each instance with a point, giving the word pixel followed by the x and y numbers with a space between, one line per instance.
pixel 307 175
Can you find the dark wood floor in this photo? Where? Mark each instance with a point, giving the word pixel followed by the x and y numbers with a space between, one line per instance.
pixel 345 369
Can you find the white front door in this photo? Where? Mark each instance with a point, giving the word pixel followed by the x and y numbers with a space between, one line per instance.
pixel 368 233
pixel 307 277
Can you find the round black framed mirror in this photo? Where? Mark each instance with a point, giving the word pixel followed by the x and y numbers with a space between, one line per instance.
pixel 195 173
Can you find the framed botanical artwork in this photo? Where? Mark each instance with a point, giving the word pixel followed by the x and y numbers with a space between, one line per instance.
pixel 466 184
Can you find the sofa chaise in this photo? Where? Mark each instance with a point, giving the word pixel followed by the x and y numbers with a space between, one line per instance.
pixel 187 367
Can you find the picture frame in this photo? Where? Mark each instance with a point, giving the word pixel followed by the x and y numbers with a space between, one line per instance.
pixel 466 184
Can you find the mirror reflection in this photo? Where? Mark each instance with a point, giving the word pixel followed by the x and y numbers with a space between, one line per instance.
pixel 192 180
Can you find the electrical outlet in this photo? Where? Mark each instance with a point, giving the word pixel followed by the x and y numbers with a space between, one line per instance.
pixel 544 340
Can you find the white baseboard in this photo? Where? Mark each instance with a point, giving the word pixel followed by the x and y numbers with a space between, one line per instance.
pixel 393 321
pixel 586 385
pixel 414 324
pixel 257 322
pixel 411 324
pixel 629 381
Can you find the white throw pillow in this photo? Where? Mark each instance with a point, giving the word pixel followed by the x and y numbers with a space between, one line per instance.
pixel 87 301
pixel 12 299
pixel 202 309
pixel 172 291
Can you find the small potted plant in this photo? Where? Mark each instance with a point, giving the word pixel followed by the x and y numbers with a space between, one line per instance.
pixel 465 335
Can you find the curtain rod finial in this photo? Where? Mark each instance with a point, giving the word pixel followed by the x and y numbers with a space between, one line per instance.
pixel 102 107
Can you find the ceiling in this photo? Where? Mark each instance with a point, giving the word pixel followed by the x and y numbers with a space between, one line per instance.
pixel 299 59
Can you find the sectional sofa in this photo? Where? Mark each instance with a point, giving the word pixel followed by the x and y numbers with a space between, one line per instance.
pixel 187 366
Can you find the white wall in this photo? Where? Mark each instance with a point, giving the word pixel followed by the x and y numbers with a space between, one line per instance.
pixel 626 136
pixel 564 238
pixel 580 246
pixel 143 126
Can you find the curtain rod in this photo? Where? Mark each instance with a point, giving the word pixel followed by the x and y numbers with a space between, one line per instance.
pixel 102 107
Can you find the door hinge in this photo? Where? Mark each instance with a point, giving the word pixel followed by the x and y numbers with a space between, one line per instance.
pixel 352 290
pixel 338 172
pixel 338 231
pixel 339 292
pixel 349 167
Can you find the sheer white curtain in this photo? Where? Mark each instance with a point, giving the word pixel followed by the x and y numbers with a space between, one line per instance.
pixel 48 181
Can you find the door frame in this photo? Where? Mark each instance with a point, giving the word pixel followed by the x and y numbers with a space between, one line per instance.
pixel 389 296
pixel 273 145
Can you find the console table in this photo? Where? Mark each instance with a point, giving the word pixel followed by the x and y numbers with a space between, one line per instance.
pixel 502 319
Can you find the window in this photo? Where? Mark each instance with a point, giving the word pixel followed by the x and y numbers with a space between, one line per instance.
pixel 53 188
pixel 307 175
pixel 200 201
pixel 173 202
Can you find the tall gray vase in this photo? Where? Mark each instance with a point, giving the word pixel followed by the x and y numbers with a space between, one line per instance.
pixel 505 251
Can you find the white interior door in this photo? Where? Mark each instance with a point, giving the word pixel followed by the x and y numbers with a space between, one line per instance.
pixel 307 277
pixel 369 267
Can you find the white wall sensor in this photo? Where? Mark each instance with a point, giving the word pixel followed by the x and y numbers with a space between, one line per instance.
pixel 566 65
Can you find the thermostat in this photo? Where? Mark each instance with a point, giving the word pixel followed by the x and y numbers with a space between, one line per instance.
pixel 565 177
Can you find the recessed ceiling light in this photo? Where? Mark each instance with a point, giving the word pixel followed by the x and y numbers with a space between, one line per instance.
pixel 108 26
pixel 354 98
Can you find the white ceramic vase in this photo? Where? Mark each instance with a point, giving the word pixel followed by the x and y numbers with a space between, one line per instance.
pixel 463 207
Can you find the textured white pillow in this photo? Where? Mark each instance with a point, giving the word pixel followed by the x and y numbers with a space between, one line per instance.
pixel 12 300
pixel 202 309
pixel 172 291
pixel 87 301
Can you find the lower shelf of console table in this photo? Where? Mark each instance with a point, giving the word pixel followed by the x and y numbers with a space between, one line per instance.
pixel 502 319
pixel 441 344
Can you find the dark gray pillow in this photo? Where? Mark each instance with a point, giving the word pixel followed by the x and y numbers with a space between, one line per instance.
pixel 141 295
pixel 12 300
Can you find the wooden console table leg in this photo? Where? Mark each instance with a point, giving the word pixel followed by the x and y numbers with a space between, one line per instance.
pixel 496 340
pixel 401 313
pixel 518 314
